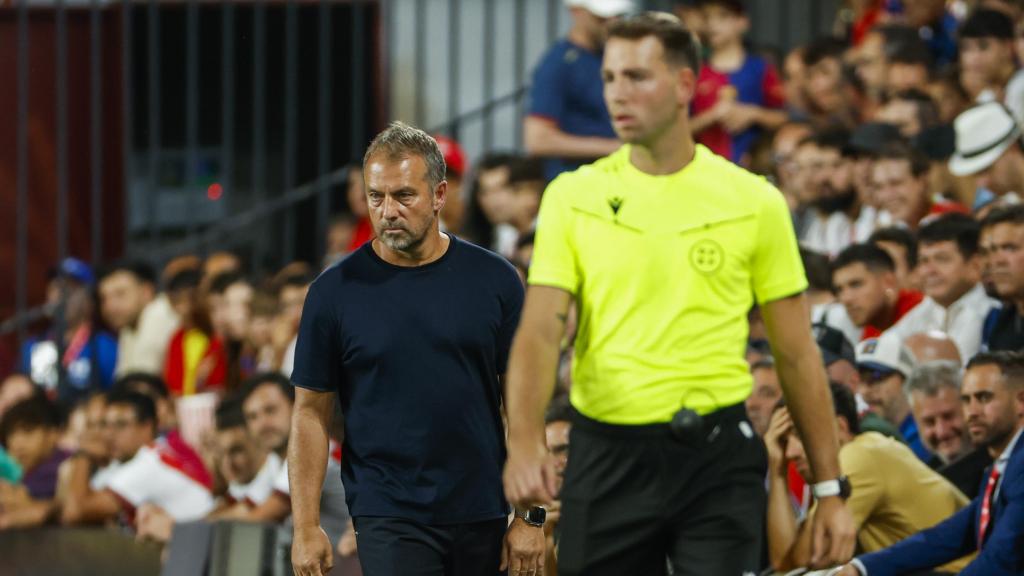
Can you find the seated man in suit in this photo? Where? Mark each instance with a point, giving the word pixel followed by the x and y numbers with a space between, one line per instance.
pixel 993 524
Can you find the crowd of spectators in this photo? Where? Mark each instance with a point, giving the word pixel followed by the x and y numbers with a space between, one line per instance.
pixel 161 398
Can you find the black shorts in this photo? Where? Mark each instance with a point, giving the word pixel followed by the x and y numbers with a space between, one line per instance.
pixel 636 499
pixel 397 547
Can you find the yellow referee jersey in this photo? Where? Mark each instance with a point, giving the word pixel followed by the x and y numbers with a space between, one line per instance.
pixel 664 270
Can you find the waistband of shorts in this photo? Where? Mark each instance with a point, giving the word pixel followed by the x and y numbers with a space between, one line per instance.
pixel 725 415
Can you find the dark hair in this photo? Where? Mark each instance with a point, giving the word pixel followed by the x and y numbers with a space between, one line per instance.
pixel 832 139
pixel 1010 364
pixel 142 272
pixel 987 24
pixel 299 279
pixel 900 150
pixel 845 405
pixel 910 53
pixel 823 48
pixel 32 413
pixel 477 228
pixel 681 46
pixel 526 239
pixel 927 110
pixel 187 278
pixel 526 169
pixel 400 140
pixel 1013 214
pixel 222 281
pixel 897 235
pixel 142 405
pixel 229 415
pixel 737 7
pixel 143 383
pixel 816 267
pixel 252 383
pixel 952 227
pixel 560 410
pixel 871 256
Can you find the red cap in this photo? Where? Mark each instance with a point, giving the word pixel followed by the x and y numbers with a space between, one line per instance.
pixel 454 157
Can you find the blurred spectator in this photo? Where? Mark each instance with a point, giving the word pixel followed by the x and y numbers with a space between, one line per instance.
pixel 832 222
pixel 524 251
pixel 885 364
pixel 355 197
pixel 30 432
pixel 870 64
pixel 993 393
pixel 526 179
pixel 909 67
pixel 340 231
pixel 149 473
pixel 867 142
pixel 900 177
pixel 558 424
pixel 949 95
pixel 14 389
pixel 830 98
pixel 265 312
pixel 218 263
pixel 454 210
pixel 864 279
pixel 195 358
pixel 901 245
pixel 80 358
pixel 491 205
pixel 144 319
pixel 956 303
pixel 765 396
pixel 249 469
pixel 935 25
pixel 794 83
pixel 567 120
pixel 987 60
pixel 738 94
pixel 825 309
pixel 292 285
pixel 230 313
pixel 786 171
pixel 1005 251
pixel 892 494
pixel 10 471
pixel 934 392
pixel 988 146
pixel 933 345
pixel 911 110
pixel 168 431
pixel 690 12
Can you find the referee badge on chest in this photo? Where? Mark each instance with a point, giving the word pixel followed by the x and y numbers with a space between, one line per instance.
pixel 707 256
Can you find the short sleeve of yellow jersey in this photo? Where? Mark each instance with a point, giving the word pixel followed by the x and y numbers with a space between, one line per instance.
pixel 554 257
pixel 776 269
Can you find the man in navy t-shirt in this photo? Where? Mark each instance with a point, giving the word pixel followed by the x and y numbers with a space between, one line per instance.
pixel 567 121
pixel 412 332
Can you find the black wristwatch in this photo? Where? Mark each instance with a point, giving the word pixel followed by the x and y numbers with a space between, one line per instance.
pixel 838 487
pixel 534 516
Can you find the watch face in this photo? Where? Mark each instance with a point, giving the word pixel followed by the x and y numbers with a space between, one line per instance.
pixel 536 515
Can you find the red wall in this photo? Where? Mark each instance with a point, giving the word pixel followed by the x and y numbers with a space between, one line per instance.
pixel 42 148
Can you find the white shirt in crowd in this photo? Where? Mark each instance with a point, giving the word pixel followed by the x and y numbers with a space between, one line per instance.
pixel 154 477
pixel 963 321
pixel 144 348
pixel 261 487
pixel 829 235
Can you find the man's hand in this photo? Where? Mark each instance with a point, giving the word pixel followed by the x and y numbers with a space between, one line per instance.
pixel 833 535
pixel 531 475
pixel 738 117
pixel 311 552
pixel 522 552
pixel 779 427
pixel 153 523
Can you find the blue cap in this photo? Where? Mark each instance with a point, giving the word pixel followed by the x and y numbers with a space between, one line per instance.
pixel 75 269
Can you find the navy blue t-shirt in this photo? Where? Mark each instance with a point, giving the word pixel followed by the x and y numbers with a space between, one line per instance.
pixel 415 354
pixel 568 89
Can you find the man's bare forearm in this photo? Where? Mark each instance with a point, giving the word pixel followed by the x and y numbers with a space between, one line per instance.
pixel 542 137
pixel 307 454
pixel 782 525
pixel 533 362
pixel 810 404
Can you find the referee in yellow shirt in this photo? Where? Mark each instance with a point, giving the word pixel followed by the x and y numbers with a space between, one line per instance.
pixel 664 247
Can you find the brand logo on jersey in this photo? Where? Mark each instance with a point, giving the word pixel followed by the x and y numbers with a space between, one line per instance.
pixel 615 203
pixel 707 256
